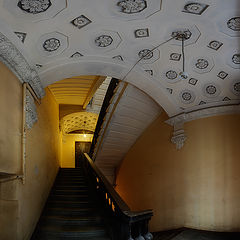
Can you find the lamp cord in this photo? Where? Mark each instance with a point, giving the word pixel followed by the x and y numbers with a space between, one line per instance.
pixel 183 54
pixel 144 55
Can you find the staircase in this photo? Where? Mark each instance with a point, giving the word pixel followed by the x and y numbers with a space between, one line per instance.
pixel 71 211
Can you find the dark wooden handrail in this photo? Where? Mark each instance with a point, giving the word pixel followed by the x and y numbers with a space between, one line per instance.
pixel 110 92
pixel 126 224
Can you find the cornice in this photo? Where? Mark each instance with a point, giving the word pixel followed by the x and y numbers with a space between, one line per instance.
pixel 16 62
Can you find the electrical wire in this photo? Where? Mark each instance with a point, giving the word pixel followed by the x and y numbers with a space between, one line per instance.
pixel 183 54
pixel 144 55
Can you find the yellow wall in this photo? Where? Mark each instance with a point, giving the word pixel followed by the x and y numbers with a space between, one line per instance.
pixel 197 186
pixel 68 148
pixel 21 205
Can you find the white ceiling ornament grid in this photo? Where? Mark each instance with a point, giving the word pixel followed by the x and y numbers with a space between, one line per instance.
pixel 85 37
pixel 79 121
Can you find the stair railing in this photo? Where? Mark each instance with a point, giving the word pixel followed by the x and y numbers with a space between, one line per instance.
pixel 124 223
pixel 109 94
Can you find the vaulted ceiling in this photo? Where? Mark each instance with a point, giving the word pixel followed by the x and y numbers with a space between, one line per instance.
pixel 66 38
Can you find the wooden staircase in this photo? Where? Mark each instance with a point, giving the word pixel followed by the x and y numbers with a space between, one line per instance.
pixel 71 211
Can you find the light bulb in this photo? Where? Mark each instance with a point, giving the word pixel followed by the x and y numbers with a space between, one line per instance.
pixel 183 75
pixel 84 135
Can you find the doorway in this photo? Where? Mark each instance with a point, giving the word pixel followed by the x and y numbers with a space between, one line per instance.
pixel 80 148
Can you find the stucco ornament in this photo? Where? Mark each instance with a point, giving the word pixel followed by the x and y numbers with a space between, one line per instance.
pixel 51 44
pixel 12 57
pixel 148 236
pixel 132 6
pixel 34 6
pixel 234 24
pixel 31 111
pixel 103 41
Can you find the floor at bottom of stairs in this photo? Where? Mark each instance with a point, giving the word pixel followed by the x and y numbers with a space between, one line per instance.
pixel 191 234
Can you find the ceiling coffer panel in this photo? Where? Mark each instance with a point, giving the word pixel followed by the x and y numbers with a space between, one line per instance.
pixel 146 36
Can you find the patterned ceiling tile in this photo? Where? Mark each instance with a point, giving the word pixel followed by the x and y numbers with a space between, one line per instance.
pixel 81 21
pixel 215 45
pixel 141 33
pixel 235 87
pixel 34 6
pixel 149 71
pixel 171 75
pixel 21 36
pixel 211 90
pixel 175 56
pixel 229 24
pixel 195 8
pixel 192 81
pixel 190 32
pixel 52 44
pixel 202 64
pixel 187 96
pixel 132 6
pixel 222 75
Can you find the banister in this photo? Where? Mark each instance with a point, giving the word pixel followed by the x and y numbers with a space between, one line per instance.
pixel 126 224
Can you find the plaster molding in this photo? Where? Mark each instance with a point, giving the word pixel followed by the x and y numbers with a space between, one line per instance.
pixel 178 121
pixel 31 111
pixel 203 113
pixel 15 61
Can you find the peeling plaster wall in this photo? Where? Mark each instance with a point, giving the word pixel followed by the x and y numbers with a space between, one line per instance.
pixel 21 205
pixel 195 187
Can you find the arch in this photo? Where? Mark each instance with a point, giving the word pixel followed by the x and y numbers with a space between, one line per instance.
pixel 106 67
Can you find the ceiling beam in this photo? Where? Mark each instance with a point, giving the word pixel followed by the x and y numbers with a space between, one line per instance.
pixel 96 84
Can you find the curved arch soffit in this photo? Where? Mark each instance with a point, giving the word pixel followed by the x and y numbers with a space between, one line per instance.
pixel 103 67
pixel 79 121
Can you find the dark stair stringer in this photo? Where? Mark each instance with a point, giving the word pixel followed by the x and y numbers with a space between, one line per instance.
pixel 72 210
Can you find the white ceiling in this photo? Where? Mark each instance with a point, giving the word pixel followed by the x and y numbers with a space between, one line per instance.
pixel 110 35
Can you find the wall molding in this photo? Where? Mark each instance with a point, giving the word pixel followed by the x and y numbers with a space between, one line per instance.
pixel 178 121
pixel 16 62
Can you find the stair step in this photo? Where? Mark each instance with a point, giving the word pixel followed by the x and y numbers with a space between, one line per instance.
pixel 86 211
pixel 72 231
pixel 74 220
pixel 69 192
pixel 68 197
pixel 68 204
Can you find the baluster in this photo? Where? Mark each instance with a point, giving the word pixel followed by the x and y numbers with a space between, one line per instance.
pixel 140 237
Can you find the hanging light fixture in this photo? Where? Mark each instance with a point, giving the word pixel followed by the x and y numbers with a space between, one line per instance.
pixel 183 75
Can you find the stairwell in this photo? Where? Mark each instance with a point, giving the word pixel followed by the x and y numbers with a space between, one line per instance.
pixel 72 210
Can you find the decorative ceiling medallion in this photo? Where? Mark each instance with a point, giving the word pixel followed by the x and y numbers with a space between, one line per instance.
pixel 234 24
pixel 118 57
pixel 236 58
pixel 51 44
pixel 132 6
pixel 193 81
pixel 222 75
pixel 145 54
pixel 187 96
pixel 77 55
pixel 177 34
pixel 149 71
pixel 34 6
pixel 236 88
pixel 190 32
pixel 211 90
pixel 175 56
pixel 226 99
pixel 202 64
pixel 171 75
pixel 81 21
pixel 21 36
pixel 195 8
pixel 215 45
pixel 103 41
pixel 141 33
pixel 170 90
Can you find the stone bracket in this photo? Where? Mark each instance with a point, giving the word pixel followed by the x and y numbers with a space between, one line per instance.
pixel 178 121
